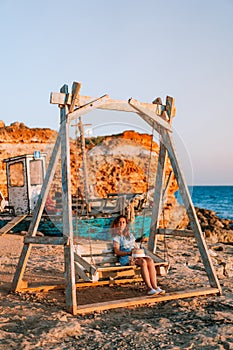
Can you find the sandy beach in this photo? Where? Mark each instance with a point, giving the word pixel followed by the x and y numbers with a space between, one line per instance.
pixel 40 321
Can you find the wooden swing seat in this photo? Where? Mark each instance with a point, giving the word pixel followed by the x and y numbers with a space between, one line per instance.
pixel 101 264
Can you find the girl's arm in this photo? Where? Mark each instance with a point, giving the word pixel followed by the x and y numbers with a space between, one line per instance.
pixel 117 251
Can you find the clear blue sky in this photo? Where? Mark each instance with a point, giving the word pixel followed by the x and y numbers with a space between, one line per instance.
pixel 126 48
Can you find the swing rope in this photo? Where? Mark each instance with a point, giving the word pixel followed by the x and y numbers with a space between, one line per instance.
pixel 165 256
pixel 148 180
pixel 78 210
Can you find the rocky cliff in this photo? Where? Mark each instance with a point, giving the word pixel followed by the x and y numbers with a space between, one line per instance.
pixel 123 163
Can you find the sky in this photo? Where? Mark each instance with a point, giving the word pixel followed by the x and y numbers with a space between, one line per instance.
pixel 127 48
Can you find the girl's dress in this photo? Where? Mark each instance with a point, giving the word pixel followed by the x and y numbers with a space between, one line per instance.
pixel 126 245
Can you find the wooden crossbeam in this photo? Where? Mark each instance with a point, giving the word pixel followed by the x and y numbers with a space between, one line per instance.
pixel 46 240
pixel 110 104
pixel 171 232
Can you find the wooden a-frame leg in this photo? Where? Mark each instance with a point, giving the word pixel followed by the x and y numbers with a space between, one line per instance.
pixel 71 298
pixel 168 142
pixel 17 280
pixel 36 217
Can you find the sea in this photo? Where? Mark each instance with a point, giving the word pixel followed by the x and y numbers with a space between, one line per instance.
pixel 216 198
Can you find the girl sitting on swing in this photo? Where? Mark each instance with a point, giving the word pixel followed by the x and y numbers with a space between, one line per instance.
pixel 123 245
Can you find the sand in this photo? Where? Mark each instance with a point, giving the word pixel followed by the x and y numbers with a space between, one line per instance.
pixel 40 321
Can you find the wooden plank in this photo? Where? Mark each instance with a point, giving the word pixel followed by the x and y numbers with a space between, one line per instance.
pixel 103 260
pixel 142 109
pixel 15 221
pixel 96 247
pixel 109 282
pixel 117 274
pixel 171 232
pixel 46 240
pixel 100 254
pixel 81 273
pixel 89 267
pixel 146 300
pixel 42 288
pixel 81 284
pixel 86 108
pixel 168 142
pixel 129 267
pixel 116 268
pixel 105 272
pixel 110 104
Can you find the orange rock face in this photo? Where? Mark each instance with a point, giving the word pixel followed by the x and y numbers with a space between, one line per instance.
pixel 123 163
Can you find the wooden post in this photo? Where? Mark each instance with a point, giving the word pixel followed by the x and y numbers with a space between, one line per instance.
pixel 71 298
pixel 168 142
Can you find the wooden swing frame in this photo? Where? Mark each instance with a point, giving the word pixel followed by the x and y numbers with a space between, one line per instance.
pixel 73 105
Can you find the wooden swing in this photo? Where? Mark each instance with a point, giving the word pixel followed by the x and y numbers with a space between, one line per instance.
pixel 159 116
pixel 97 262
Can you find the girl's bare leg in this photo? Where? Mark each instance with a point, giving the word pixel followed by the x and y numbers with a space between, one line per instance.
pixel 145 272
pixel 152 272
